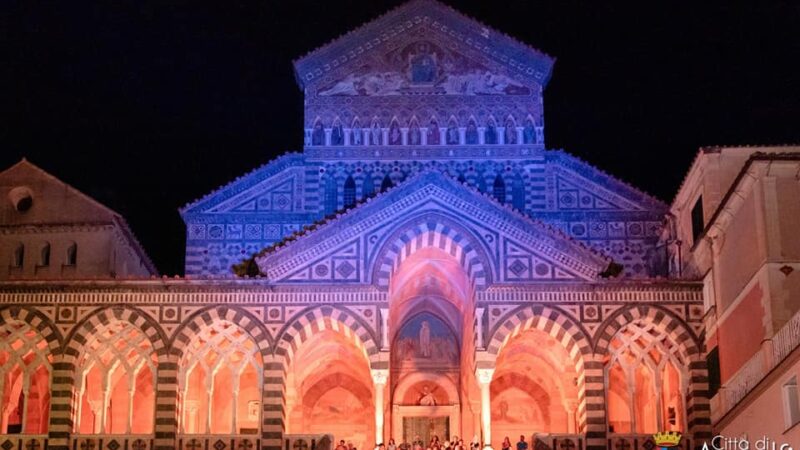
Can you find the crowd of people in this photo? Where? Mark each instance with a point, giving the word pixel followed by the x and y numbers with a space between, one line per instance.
pixel 436 444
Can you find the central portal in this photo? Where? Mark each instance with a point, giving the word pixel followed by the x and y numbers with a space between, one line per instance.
pixel 425 428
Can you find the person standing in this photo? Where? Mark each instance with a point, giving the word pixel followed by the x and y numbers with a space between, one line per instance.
pixel 506 444
pixel 522 445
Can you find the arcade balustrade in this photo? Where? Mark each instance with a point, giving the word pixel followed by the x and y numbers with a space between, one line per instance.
pixel 771 354
pixel 546 441
pixel 111 442
pixel 23 442
pixel 218 442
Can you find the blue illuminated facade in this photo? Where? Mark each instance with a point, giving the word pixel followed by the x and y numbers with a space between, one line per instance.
pixel 424 89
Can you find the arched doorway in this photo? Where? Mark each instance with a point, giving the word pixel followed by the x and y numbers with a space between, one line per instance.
pixel 430 332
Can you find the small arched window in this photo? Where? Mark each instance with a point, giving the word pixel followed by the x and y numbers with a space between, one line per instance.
pixel 387 183
pixel 349 192
pixel 72 254
pixel 330 196
pixel 18 258
pixel 499 189
pixel 44 255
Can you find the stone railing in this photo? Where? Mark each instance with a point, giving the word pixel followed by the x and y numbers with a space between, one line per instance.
pixel 786 340
pixel 23 441
pixel 308 442
pixel 640 442
pixel 112 442
pixel 218 442
pixel 547 441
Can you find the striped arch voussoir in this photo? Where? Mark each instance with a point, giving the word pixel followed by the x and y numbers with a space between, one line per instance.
pixel 103 316
pixel 552 321
pixel 208 316
pixel 434 232
pixel 314 320
pixel 37 321
pixel 664 320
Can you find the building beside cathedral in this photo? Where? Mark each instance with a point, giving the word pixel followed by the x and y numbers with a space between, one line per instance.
pixel 424 266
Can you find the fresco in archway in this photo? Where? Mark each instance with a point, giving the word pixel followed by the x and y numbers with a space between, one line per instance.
pixel 425 341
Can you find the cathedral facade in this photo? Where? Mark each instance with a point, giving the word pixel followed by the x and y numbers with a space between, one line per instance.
pixel 425 266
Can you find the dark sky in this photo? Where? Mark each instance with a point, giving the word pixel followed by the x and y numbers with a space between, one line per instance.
pixel 147 105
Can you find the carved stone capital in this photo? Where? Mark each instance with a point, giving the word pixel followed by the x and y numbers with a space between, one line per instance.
pixel 379 376
pixel 484 375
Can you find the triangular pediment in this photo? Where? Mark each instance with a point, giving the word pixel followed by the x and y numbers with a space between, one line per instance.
pixel 274 187
pixel 352 247
pixel 384 47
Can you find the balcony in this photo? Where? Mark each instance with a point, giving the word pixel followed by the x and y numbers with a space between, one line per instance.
pixel 786 340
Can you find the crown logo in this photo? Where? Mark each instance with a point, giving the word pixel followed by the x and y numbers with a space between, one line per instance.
pixel 668 439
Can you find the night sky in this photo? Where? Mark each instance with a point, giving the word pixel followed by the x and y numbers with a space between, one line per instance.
pixel 148 105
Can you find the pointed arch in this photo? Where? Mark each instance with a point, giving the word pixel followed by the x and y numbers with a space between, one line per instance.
pixel 356 133
pixel 471 134
pixel 510 134
pixel 490 133
pixel 452 135
pixel 201 322
pixel 414 133
pixel 92 334
pixel 375 132
pixel 529 131
pixel 395 136
pixel 349 191
pixel 433 133
pixel 318 132
pixel 499 189
pixel 337 132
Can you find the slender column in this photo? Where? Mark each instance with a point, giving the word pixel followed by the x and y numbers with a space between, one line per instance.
pixel 106 398
pixel 26 389
pixel 210 395
pixel 379 377
pixel 485 380
pixel 234 402
pixel 632 396
pixel 131 393
pixel 659 383
pixel 442 136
